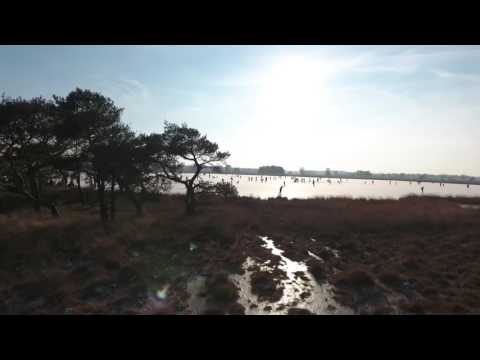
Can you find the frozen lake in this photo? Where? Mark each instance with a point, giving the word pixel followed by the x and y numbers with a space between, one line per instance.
pixel 251 185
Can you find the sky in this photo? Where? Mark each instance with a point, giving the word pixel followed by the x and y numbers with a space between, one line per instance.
pixel 411 109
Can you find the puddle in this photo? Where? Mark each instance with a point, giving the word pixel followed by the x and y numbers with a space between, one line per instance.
pixel 298 291
pixel 318 298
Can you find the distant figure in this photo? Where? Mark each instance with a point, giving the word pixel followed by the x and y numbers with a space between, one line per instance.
pixel 422 189
pixel 373 182
pixel 284 183
pixel 280 192
pixel 468 185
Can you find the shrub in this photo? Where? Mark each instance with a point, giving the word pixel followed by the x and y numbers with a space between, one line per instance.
pixel 226 190
pixel 221 290
pixel 391 278
pixel 265 287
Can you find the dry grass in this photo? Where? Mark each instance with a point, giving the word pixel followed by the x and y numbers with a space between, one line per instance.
pixel 429 242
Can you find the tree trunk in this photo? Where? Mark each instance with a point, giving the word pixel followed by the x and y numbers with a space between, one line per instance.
pixel 136 201
pixel 65 181
pixel 101 200
pixel 34 190
pixel 190 200
pixel 79 188
pixel 112 199
pixel 52 208
pixel 40 184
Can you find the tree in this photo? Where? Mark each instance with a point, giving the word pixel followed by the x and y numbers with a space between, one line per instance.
pixel 181 143
pixel 29 145
pixel 138 170
pixel 92 127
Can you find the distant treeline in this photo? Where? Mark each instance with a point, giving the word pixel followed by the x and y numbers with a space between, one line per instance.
pixel 360 174
pixel 271 170
pixel 44 143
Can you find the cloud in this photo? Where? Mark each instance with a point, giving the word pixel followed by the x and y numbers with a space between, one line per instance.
pixel 472 77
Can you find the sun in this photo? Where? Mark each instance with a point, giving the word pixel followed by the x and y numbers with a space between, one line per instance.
pixel 293 87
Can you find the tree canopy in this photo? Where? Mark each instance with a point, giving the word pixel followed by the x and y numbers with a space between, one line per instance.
pixel 82 134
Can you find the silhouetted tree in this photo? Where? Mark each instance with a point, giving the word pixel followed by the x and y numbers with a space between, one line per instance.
pixel 29 143
pixel 91 123
pixel 137 171
pixel 184 143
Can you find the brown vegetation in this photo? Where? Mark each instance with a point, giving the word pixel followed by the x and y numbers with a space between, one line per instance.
pixel 418 254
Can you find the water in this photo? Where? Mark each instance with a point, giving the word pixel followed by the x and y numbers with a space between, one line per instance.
pixel 319 301
pixel 345 188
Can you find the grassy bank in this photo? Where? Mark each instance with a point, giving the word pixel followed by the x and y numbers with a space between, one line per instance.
pixel 414 255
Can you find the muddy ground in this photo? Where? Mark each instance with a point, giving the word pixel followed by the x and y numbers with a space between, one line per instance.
pixel 412 256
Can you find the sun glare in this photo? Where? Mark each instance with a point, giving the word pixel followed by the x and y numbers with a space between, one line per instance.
pixel 292 89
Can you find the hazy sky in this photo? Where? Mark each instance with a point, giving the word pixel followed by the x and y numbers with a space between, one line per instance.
pixel 377 108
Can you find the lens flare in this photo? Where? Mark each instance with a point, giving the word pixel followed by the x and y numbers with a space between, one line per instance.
pixel 162 293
